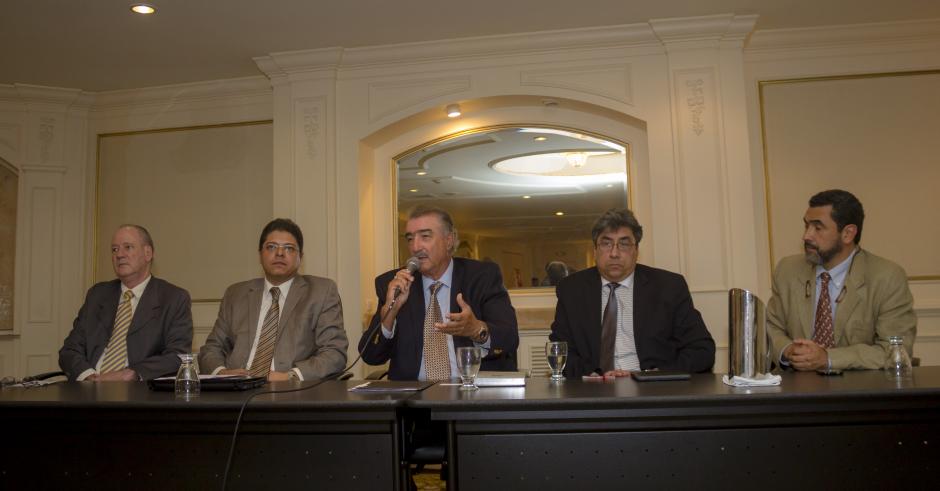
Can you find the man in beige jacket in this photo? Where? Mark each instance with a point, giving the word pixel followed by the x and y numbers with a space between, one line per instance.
pixel 835 306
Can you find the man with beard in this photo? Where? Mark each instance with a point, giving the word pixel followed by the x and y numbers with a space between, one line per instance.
pixel 835 306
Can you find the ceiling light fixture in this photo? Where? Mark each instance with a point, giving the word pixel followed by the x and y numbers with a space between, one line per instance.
pixel 412 190
pixel 540 138
pixel 559 213
pixel 453 110
pixel 143 8
pixel 422 173
pixel 526 197
pixel 576 159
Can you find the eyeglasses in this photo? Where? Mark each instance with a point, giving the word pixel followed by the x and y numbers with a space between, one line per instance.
pixel 622 245
pixel 272 248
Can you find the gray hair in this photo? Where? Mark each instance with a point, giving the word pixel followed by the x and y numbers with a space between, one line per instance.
pixel 614 219
pixel 144 234
pixel 442 215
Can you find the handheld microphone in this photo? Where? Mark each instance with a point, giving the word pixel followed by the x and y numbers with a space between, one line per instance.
pixel 412 265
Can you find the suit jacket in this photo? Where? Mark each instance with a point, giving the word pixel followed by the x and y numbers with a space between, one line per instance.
pixel 877 304
pixel 669 333
pixel 482 288
pixel 310 333
pixel 162 328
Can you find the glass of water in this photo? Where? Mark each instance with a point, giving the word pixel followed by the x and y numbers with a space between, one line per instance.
pixel 557 354
pixel 468 364
pixel 187 377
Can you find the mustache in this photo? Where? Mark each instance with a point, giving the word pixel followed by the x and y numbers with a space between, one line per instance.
pixel 810 245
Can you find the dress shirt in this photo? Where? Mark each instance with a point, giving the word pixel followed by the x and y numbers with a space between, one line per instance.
pixel 625 355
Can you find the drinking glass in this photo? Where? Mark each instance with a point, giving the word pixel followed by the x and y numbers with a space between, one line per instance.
pixel 468 364
pixel 557 354
pixel 187 377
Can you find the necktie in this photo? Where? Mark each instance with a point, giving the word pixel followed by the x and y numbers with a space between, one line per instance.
pixel 609 330
pixel 822 331
pixel 115 354
pixel 436 358
pixel 261 365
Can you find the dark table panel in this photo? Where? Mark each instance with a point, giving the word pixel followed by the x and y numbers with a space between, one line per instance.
pixel 856 431
pixel 118 435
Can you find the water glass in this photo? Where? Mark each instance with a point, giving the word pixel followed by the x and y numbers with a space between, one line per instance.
pixel 557 354
pixel 468 364
pixel 187 377
pixel 898 364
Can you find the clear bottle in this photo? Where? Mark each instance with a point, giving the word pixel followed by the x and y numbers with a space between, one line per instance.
pixel 898 364
pixel 187 377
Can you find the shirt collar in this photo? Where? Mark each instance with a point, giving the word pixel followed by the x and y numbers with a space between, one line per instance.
pixel 626 282
pixel 446 278
pixel 139 289
pixel 284 287
pixel 839 271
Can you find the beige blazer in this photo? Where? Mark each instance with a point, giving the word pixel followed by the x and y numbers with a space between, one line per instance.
pixel 876 304
pixel 310 334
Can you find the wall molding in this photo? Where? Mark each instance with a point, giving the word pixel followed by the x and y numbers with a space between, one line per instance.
pixel 814 38
pixel 208 91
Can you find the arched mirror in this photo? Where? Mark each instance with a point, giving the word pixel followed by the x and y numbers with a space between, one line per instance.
pixel 8 201
pixel 524 197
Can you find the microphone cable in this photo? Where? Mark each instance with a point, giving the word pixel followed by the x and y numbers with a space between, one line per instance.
pixel 241 412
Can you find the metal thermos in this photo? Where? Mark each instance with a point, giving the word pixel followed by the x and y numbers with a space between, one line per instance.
pixel 749 347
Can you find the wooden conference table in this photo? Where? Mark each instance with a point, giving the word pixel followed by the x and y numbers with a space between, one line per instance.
pixel 856 431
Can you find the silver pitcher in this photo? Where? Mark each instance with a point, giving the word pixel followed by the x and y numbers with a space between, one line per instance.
pixel 749 343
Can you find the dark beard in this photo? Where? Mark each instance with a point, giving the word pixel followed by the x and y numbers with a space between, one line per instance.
pixel 820 256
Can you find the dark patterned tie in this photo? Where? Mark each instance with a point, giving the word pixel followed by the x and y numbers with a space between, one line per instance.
pixel 115 355
pixel 609 330
pixel 822 331
pixel 264 353
pixel 436 358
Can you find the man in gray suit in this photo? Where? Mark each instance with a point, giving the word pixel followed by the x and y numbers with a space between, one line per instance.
pixel 283 326
pixel 133 327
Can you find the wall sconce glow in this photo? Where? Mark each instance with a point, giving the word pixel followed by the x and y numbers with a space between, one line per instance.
pixel 453 110
pixel 143 8
pixel 559 213
pixel 576 159
pixel 422 173
pixel 540 138
pixel 526 197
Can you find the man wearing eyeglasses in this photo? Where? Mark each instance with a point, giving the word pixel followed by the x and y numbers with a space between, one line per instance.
pixel 620 316
pixel 283 326
pixel 835 306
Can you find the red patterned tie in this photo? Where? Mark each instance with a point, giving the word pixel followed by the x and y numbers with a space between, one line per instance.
pixel 822 331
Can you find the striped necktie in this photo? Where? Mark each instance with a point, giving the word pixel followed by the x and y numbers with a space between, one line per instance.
pixel 115 354
pixel 264 353
pixel 436 357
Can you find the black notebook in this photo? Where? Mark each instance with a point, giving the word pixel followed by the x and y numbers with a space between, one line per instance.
pixel 211 383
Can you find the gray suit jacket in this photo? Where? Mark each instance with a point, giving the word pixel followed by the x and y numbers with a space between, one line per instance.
pixel 877 303
pixel 161 329
pixel 310 333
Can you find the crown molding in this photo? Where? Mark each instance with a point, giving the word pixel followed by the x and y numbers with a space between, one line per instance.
pixel 307 62
pixel 693 32
pixel 48 98
pixel 183 93
pixel 882 33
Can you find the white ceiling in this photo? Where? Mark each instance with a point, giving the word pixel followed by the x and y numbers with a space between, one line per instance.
pixel 99 45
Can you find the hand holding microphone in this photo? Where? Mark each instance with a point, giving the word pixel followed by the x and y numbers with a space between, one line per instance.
pixel 400 285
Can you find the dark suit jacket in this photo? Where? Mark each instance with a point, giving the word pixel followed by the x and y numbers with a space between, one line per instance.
pixel 668 331
pixel 161 329
pixel 310 333
pixel 482 288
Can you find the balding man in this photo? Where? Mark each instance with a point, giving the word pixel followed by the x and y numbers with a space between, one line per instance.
pixel 133 327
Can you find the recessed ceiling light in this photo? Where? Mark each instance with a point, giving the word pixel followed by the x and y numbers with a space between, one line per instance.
pixel 526 197
pixel 610 185
pixel 422 173
pixel 412 190
pixel 540 138
pixel 559 213
pixel 453 110
pixel 143 8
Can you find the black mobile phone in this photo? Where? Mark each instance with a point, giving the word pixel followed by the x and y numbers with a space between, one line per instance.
pixel 660 375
